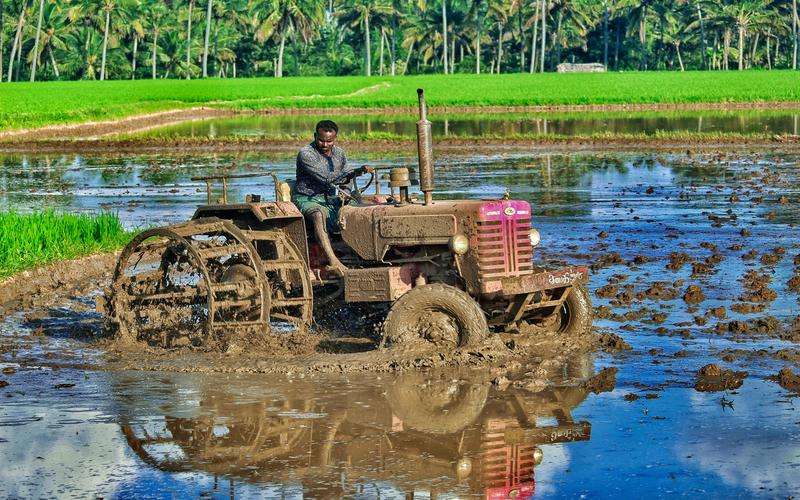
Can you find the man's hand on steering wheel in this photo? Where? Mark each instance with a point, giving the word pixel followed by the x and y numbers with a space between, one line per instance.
pixel 355 192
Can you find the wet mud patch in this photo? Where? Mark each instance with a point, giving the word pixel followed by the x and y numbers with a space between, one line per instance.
pixel 54 309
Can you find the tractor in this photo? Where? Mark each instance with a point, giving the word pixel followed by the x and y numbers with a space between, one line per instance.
pixel 441 273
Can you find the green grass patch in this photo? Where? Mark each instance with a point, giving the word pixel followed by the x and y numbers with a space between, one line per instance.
pixel 28 105
pixel 32 239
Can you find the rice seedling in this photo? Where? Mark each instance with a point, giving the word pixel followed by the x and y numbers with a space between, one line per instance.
pixel 32 239
pixel 26 105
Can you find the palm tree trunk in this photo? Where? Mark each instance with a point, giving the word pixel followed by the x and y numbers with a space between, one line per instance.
pixel 452 55
pixel 155 50
pixel 189 41
pixel 477 43
pixel 678 52
pixel 643 37
pixel 444 33
pixel 408 58
pixel 52 61
pixel 35 58
pixel 205 42
pixel 16 45
pixel 702 35
pixel 794 34
pixel 19 59
pixel 533 38
pixel 544 33
pixel 605 36
pixel 752 60
pixel 380 66
pixel 2 37
pixel 617 43
pixel 521 40
pixel 741 48
pixel 105 45
pixel 367 45
pixel 393 49
pixel 769 62
pixel 499 46
pixel 133 58
pixel 726 44
pixel 281 48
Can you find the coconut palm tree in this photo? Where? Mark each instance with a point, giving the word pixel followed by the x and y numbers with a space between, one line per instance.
pixel 16 47
pixel 361 13
pixel 209 6
pixel 156 19
pixel 189 38
pixel 35 51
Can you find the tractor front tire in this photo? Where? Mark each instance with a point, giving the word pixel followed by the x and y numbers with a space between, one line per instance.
pixel 576 313
pixel 437 315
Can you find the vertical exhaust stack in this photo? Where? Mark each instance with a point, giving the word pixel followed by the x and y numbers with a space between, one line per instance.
pixel 425 149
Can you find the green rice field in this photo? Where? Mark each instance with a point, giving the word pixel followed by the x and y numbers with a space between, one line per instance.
pixel 32 239
pixel 28 105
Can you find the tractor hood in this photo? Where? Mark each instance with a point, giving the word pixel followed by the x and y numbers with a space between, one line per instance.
pixel 498 231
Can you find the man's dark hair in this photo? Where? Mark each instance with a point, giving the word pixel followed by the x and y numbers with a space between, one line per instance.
pixel 327 126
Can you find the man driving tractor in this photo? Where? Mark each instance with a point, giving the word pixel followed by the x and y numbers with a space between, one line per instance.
pixel 321 168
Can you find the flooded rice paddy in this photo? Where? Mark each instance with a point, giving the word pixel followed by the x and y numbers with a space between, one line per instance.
pixel 503 124
pixel 651 226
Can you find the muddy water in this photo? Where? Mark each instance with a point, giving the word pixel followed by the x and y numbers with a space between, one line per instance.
pixel 506 124
pixel 143 434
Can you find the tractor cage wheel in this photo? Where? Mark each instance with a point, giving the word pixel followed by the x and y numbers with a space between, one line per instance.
pixel 168 285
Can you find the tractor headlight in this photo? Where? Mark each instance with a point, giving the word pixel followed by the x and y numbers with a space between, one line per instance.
pixel 463 468
pixel 459 244
pixel 538 455
pixel 535 237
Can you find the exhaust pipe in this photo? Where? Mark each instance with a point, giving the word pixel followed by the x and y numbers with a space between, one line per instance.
pixel 425 149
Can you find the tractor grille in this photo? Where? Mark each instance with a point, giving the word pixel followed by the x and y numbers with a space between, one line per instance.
pixel 504 245
pixel 505 467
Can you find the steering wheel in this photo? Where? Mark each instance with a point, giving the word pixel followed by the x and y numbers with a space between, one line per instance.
pixel 367 185
pixel 348 194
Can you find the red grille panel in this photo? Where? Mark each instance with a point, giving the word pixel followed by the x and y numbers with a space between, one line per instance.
pixel 503 240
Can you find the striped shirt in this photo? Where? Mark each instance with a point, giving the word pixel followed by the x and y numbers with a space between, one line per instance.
pixel 319 174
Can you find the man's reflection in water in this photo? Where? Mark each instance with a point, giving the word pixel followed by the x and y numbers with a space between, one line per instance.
pixel 439 432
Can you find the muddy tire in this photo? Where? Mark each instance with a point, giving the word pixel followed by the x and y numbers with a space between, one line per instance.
pixel 441 316
pixel 576 313
pixel 436 404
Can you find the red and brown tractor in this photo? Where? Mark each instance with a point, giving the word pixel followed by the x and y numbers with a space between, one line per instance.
pixel 447 272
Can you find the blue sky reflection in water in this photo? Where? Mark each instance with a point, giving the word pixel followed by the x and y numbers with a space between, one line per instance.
pixel 90 436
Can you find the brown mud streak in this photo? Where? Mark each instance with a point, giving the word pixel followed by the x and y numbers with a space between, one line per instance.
pixel 443 146
pixel 18 291
pixel 127 125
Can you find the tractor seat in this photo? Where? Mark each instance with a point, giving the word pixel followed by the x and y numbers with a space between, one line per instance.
pixel 284 189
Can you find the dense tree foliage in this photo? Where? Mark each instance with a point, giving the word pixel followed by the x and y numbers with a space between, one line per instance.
pixel 119 39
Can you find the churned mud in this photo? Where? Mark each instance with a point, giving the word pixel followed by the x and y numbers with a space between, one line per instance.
pixel 59 300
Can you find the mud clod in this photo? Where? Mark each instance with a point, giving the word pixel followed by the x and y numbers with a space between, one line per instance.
pixel 787 379
pixel 659 290
pixel 693 295
pixel 604 381
pixel 677 260
pixel 611 342
pixel 712 378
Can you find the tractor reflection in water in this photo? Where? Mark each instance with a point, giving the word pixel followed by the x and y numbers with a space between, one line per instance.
pixel 439 432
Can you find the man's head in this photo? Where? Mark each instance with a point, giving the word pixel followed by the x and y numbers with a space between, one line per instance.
pixel 325 135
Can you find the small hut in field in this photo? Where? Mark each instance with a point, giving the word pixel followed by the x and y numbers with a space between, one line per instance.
pixel 581 68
